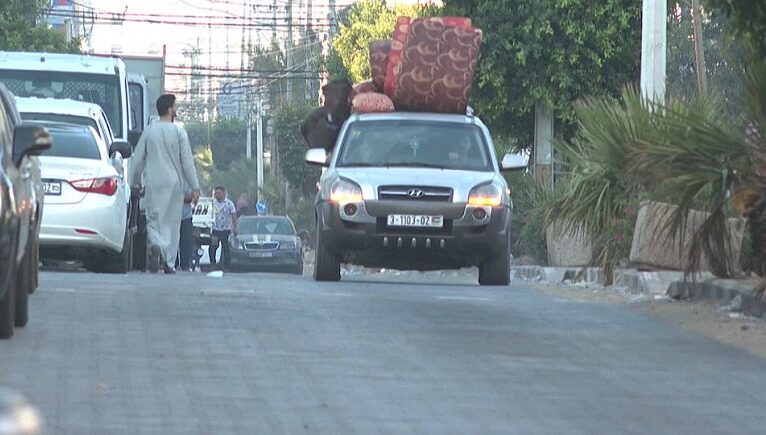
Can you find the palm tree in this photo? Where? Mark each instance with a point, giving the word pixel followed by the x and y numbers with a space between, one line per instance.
pixel 685 151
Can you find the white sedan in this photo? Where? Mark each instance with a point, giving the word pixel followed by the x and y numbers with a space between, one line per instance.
pixel 86 199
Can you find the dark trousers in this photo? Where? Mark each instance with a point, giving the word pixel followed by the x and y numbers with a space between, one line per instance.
pixel 221 237
pixel 186 244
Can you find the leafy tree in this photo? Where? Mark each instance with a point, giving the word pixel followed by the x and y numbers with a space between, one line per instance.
pixel 197 132
pixel 19 29
pixel 722 57
pixel 227 142
pixel 292 148
pixel 367 21
pixel 550 51
pixel 748 20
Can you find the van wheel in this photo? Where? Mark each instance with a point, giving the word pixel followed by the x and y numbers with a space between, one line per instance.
pixel 8 310
pixel 23 286
pixel 497 272
pixel 327 267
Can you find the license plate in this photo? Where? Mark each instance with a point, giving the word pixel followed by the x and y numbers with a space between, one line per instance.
pixel 415 220
pixel 261 254
pixel 52 187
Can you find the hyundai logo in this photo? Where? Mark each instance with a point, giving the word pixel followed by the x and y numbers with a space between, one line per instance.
pixel 415 193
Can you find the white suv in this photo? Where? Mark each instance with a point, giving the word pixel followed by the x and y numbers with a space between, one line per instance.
pixel 415 191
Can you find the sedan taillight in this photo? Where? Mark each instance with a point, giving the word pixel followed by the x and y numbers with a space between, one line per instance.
pixel 103 186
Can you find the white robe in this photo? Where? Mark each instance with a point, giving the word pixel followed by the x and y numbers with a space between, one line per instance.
pixel 164 159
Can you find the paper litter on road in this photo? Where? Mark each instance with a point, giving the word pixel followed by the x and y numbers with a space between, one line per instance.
pixel 215 274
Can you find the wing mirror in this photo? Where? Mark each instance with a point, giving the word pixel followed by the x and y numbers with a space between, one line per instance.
pixel 120 146
pixel 29 140
pixel 514 162
pixel 318 157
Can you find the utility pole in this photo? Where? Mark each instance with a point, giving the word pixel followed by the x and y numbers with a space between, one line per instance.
pixel 699 48
pixel 289 50
pixel 308 46
pixel 654 42
pixel 259 142
pixel 249 139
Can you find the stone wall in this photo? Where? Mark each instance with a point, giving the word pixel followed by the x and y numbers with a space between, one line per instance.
pixel 567 248
pixel 653 249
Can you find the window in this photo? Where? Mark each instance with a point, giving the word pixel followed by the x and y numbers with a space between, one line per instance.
pixel 275 226
pixel 68 119
pixel 416 144
pixel 137 105
pixel 100 89
pixel 75 142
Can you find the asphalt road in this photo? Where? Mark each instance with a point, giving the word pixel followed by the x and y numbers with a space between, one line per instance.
pixel 265 353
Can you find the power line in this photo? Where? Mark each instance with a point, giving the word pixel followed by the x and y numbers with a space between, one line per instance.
pixel 211 24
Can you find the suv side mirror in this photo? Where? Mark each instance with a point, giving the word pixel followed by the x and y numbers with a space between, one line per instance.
pixel 122 147
pixel 514 162
pixel 29 140
pixel 133 137
pixel 317 156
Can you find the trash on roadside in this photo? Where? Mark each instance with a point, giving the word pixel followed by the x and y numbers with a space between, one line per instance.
pixel 215 274
pixel 640 298
pixel 663 298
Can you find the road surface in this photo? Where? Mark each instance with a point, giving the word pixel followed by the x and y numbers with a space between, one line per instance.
pixel 263 353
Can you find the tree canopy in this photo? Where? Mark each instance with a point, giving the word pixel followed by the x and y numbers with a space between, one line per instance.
pixel 364 22
pixel 292 148
pixel 19 29
pixel 550 51
pixel 748 20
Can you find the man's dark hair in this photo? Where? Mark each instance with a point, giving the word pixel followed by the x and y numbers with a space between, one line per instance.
pixel 164 103
pixel 221 188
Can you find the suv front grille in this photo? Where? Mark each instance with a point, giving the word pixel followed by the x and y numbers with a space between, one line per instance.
pixel 415 193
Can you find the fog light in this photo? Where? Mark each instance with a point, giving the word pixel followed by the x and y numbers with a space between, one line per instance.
pixel 479 214
pixel 350 209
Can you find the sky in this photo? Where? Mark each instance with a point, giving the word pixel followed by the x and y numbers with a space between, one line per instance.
pixel 220 47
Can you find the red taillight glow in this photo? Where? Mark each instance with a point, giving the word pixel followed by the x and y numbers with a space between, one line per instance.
pixel 104 186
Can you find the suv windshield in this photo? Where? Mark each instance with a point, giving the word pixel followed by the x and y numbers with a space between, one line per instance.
pixel 415 144
pixel 276 226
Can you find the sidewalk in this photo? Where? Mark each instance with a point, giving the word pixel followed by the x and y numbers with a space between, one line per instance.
pixel 738 294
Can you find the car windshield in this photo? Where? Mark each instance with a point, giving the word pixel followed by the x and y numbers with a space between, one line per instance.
pixel 100 89
pixel 68 119
pixel 73 142
pixel 276 226
pixel 415 144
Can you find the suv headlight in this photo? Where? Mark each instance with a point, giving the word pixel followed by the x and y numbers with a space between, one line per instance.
pixel 345 191
pixel 486 195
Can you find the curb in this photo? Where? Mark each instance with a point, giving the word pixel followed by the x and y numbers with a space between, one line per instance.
pixel 737 295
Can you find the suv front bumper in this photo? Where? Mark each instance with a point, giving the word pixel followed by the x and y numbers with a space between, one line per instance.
pixel 364 238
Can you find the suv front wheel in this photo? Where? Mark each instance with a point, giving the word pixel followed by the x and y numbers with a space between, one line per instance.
pixel 497 271
pixel 327 264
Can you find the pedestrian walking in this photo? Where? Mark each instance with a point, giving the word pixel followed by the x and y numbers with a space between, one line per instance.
pixel 163 160
pixel 245 206
pixel 224 225
pixel 186 243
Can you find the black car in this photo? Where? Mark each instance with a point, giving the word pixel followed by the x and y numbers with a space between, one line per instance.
pixel 267 242
pixel 21 199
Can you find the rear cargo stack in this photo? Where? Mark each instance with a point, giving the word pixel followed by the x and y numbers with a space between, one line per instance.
pixel 429 67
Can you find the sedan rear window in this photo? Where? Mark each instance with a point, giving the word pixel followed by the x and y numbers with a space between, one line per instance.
pixel 68 119
pixel 73 143
pixel 415 144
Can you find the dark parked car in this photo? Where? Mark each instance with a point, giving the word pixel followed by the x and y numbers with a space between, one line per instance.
pixel 267 242
pixel 21 199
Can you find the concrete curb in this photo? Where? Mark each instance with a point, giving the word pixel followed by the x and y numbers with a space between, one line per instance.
pixel 669 283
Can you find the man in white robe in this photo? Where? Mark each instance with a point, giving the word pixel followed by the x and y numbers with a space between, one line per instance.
pixel 163 159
